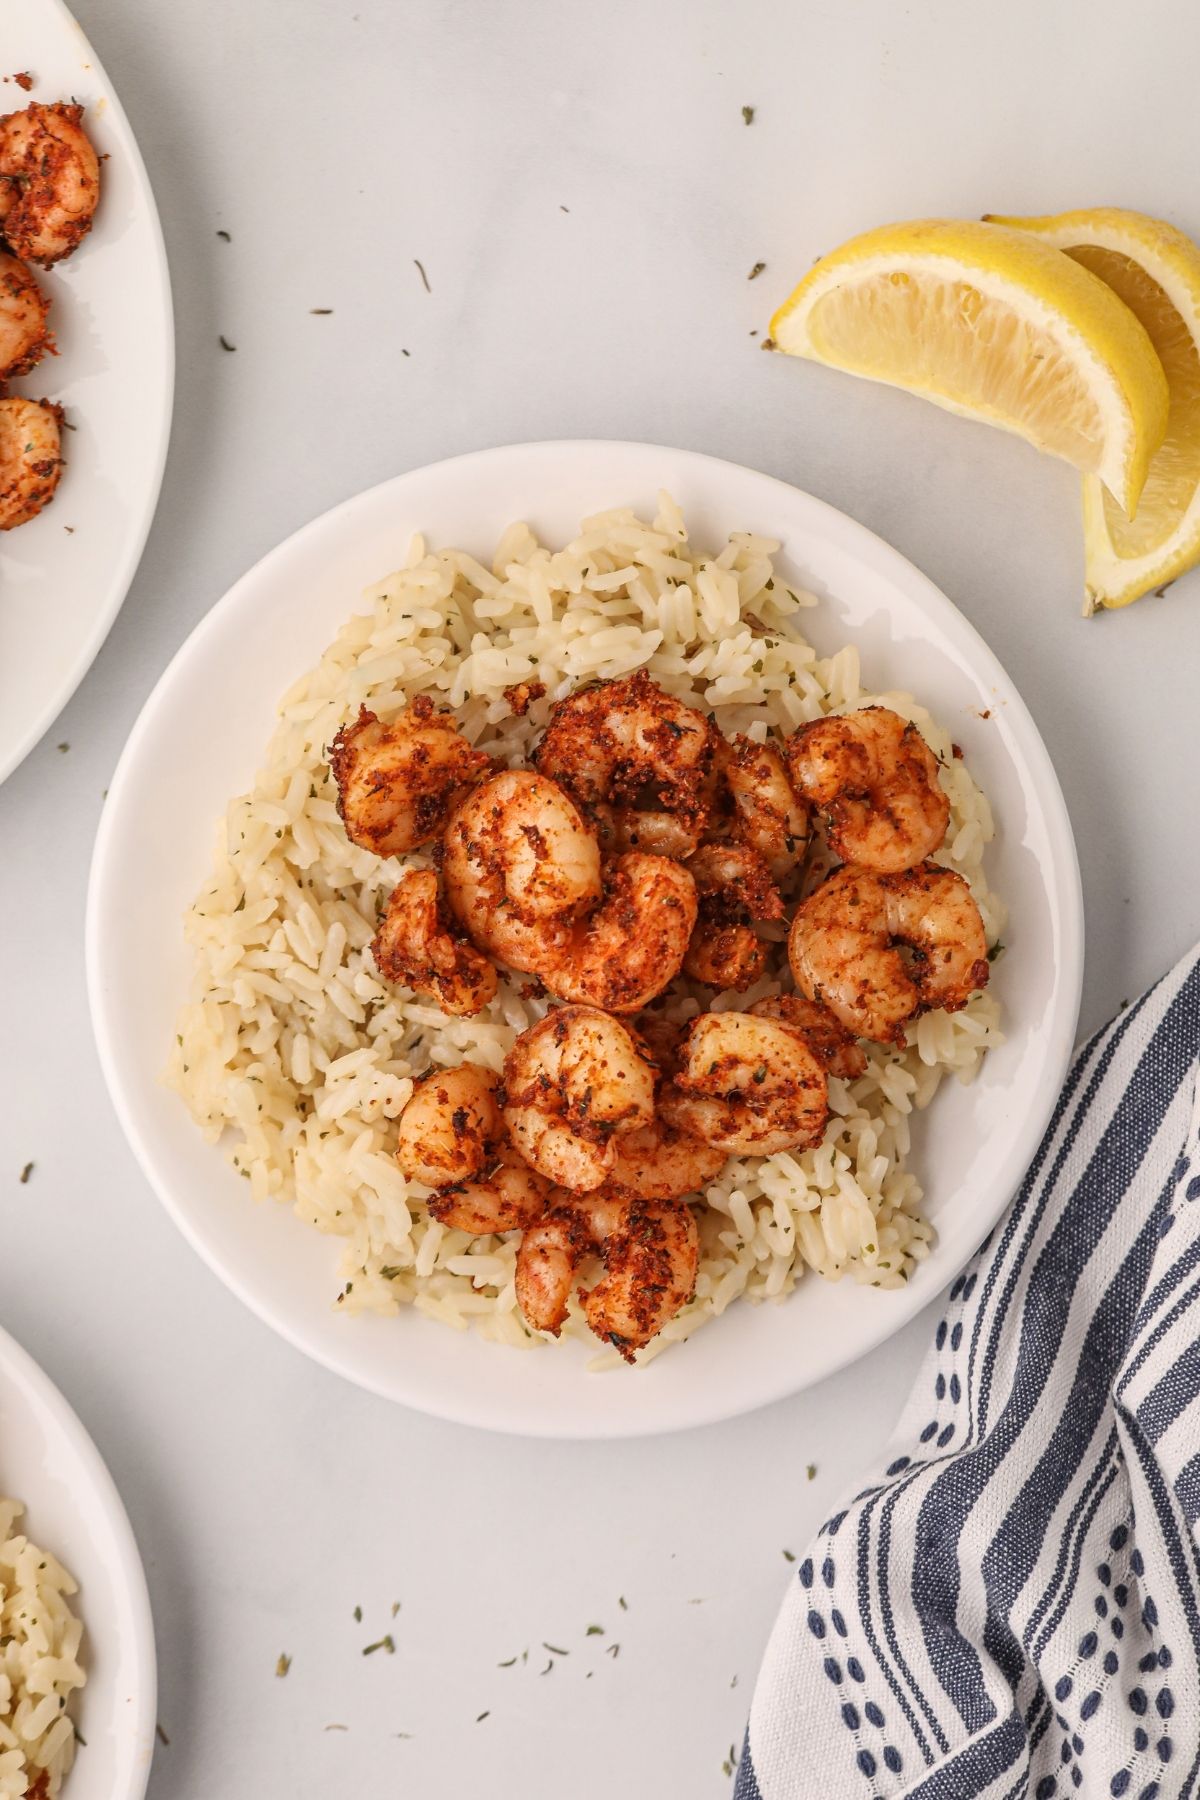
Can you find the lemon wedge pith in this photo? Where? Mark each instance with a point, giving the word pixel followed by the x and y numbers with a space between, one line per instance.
pixel 995 324
pixel 1155 270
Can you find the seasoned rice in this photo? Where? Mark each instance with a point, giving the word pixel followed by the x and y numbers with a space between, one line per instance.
pixel 294 1054
pixel 39 1665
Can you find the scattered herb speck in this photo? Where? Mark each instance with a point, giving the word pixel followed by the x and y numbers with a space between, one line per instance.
pixel 358 1615
pixel 811 1471
pixel 554 1649
pixel 789 1556
pixel 423 275
pixel 747 115
pixel 756 271
pixel 26 1172
pixel 481 1717
pixel 161 1735
pixel 320 312
pixel 226 239
pixel 387 1643
pixel 225 344
pixel 594 1631
pixel 283 1665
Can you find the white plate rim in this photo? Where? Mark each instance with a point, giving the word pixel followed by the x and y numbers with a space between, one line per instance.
pixel 1068 889
pixel 18 1368
pixel 121 579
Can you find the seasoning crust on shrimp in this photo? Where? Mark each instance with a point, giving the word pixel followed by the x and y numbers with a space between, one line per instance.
pixel 30 458
pixel 650 1250
pixel 573 1082
pixel 398 781
pixel 521 866
pixel 845 947
pixel 876 780
pixel 452 1136
pixel 643 757
pixel 633 945
pixel 49 181
pixel 420 945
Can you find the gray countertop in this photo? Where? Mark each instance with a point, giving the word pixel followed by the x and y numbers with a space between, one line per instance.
pixel 587 202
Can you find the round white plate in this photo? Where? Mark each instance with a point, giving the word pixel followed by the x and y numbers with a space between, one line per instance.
pixel 61 589
pixel 73 1510
pixel 199 741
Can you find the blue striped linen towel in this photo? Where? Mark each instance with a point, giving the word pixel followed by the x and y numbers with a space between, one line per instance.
pixel 1011 1607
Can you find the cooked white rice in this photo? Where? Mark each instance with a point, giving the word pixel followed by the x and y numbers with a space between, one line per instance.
pixel 39 1665
pixel 297 1056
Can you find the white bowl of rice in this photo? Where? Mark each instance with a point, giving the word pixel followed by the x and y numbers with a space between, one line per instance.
pixel 77 1674
pixel 229 922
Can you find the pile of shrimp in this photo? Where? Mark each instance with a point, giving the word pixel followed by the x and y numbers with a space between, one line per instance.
pixel 642 848
pixel 49 189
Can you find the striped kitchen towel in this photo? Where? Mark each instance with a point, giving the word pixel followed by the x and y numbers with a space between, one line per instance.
pixel 1010 1607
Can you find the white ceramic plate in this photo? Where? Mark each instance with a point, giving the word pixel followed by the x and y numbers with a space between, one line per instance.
pixel 199 741
pixel 61 590
pixel 73 1510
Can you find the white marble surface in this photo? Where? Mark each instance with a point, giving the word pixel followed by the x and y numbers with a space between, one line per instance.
pixel 336 143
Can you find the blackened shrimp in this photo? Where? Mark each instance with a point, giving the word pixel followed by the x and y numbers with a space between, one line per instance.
pixel 822 1030
pixel 24 339
pixel 734 888
pixel 747 1085
pixel 650 1250
pixel 420 945
pixel 451 1135
pixel 876 780
pixel 30 458
pixel 452 1125
pixel 521 866
pixel 767 813
pixel 845 947
pixel 49 181
pixel 631 749
pixel 399 781
pixel 633 945
pixel 573 1083
pixel 660 1162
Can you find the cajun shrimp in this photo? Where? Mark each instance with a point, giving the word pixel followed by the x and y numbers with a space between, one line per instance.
pixel 876 780
pixel 733 888
pixel 49 181
pixel 633 945
pixel 638 755
pixel 573 1082
pixel 660 1162
pixel 822 1030
pixel 419 945
pixel 24 339
pixel 30 458
pixel 451 1135
pixel 452 1125
pixel 521 865
pixel 650 1250
pixel 845 947
pixel 767 813
pixel 747 1085
pixel 398 782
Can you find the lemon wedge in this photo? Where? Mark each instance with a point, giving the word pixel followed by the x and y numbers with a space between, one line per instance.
pixel 1155 270
pixel 994 324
